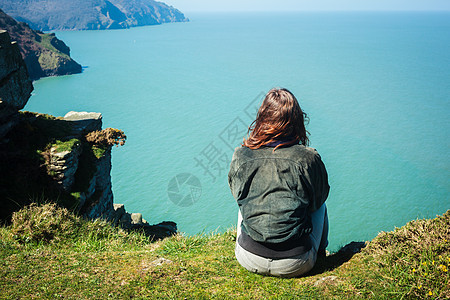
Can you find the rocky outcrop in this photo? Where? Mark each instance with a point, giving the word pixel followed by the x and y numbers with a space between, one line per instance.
pixel 74 169
pixel 134 221
pixel 65 159
pixel 69 168
pixel 91 14
pixel 53 158
pixel 15 86
pixel 44 54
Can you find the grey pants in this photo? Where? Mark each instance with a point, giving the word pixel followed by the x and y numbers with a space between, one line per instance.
pixel 291 266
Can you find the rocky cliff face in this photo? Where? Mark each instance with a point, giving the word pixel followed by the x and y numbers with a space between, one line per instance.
pixel 44 54
pixel 15 86
pixel 65 159
pixel 90 14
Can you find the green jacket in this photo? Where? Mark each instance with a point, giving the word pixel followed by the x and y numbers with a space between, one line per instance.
pixel 277 190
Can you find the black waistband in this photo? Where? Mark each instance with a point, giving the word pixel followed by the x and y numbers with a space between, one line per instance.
pixel 281 250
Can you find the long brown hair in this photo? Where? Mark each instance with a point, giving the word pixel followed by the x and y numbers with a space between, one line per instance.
pixel 279 119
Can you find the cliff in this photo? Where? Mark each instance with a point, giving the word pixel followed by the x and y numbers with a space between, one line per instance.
pixel 44 54
pixel 15 85
pixel 66 160
pixel 90 14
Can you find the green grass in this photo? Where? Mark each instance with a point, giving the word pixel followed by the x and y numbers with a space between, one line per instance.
pixel 52 59
pixel 98 151
pixel 46 43
pixel 49 253
pixel 412 261
pixel 61 146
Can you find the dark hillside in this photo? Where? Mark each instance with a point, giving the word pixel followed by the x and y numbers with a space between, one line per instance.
pixel 90 14
pixel 44 54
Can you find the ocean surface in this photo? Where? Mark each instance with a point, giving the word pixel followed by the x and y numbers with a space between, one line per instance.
pixel 376 87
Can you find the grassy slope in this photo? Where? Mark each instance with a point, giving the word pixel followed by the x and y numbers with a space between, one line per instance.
pixel 59 255
pixel 46 42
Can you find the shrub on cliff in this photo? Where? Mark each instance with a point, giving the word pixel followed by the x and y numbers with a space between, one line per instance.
pixel 107 137
pixel 102 139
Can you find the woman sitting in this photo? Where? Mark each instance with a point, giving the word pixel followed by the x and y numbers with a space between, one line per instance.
pixel 280 186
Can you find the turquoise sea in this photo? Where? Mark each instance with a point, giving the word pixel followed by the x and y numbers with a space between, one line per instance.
pixel 376 87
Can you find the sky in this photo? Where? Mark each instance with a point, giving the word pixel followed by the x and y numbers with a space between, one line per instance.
pixel 307 5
